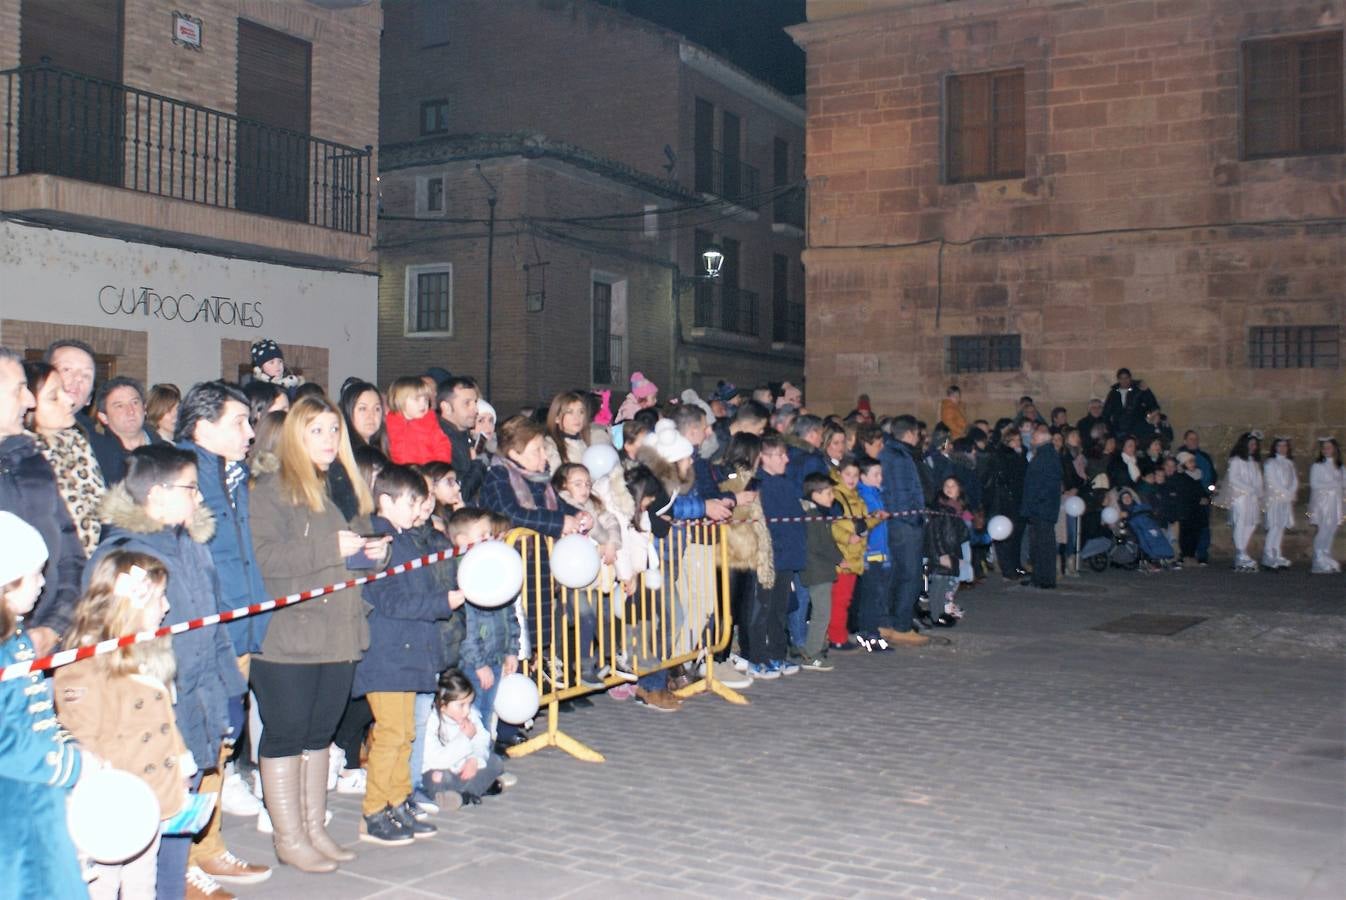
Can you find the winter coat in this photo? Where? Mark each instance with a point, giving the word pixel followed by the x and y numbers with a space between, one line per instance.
pixel 1004 489
pixel 79 480
pixel 633 554
pixel 607 528
pixel 944 535
pixel 1119 472
pixel 747 538
pixel 297 550
pixel 903 491
pixel 575 448
pixel 853 521
pixel 414 442
pixel 1327 487
pixel 1168 500
pixel 405 653
pixel 805 460
pixel 471 472
pixel 497 495
pixel 446 747
pixel 1125 411
pixel 208 675
pixel 779 495
pixel 231 549
pixel 1281 483
pixel 1042 486
pixel 877 543
pixel 687 504
pixel 1085 427
pixel 1188 492
pixel 954 417
pixel 823 553
pixel 106 449
pixel 128 721
pixel 490 636
pixel 39 764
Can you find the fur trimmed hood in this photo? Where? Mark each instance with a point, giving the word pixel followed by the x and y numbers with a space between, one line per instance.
pixel 120 510
pixel 264 463
pixel 665 471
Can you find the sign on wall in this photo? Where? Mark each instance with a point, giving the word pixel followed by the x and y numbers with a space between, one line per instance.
pixel 186 31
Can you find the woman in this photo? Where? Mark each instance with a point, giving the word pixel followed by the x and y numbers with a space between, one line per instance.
pixel 1004 494
pixel 64 445
pixel 1153 457
pixel 1074 482
pixel 308 518
pixel 748 542
pixel 835 443
pixel 1281 484
pixel 1241 494
pixel 161 411
pixel 567 430
pixel 1124 468
pixel 1327 485
pixel 362 407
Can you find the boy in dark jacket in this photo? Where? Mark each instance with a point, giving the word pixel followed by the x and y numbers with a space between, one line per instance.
pixel 491 638
pixel 779 496
pixel 820 570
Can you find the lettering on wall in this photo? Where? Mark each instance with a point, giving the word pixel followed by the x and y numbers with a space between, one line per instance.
pixel 213 310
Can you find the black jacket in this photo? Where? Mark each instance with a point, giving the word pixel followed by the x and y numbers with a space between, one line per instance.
pixel 944 536
pixel 1127 415
pixel 1004 489
pixel 1086 425
pixel 106 449
pixel 471 472
pixel 28 489
pixel 1042 485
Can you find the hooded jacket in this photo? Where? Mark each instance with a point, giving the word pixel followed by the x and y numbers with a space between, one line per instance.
pixel 855 522
pixel 747 538
pixel 414 442
pixel 208 675
pixel 687 504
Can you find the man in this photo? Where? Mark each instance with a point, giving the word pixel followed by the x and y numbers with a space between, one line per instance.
pixel 904 500
pixel 1210 477
pixel 791 395
pixel 805 441
pixel 119 405
pixel 1085 425
pixel 952 413
pixel 74 362
pixel 1041 506
pixel 457 400
pixel 213 424
pixel 1060 419
pixel 28 490
pixel 765 396
pixel 783 418
pixel 1127 405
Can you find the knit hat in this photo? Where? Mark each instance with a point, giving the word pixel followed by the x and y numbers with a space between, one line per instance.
pixel 671 446
pixel 642 387
pixel 265 350
pixel 725 391
pixel 1183 456
pixel 863 404
pixel 691 396
pixel 440 375
pixel 22 550
pixel 486 409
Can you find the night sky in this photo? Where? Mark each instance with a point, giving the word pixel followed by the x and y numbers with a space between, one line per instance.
pixel 748 32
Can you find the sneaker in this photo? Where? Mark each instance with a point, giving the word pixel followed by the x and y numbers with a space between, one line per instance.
pixel 762 672
pixel 555 674
pixel 592 681
pixel 873 642
pixel 264 822
pixel 661 700
pixel 336 761
pixel 622 692
pixel 730 677
pixel 738 662
pixel 619 669
pixel 383 827
pixel 507 780
pixel 412 818
pixel 236 799
pixel 816 664
pixel 229 868
pixel 421 806
pixel 785 667
pixel 351 782
pixel 846 647
pixel 201 885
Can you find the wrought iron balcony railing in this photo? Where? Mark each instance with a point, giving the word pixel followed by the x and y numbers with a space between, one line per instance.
pixel 725 176
pixel 727 308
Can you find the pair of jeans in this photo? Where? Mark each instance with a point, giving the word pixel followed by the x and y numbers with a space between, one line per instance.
pixel 1009 552
pixel 438 781
pixel 796 625
pixel 424 703
pixel 767 639
pixel 350 733
pixel 905 553
pixel 875 607
pixel 171 866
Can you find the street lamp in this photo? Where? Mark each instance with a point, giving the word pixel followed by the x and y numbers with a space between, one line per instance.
pixel 712 258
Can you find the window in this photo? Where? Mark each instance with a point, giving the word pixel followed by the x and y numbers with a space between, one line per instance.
pixel 429 292
pixel 1294 347
pixel 435 117
pixel 602 346
pixel 982 353
pixel 432 23
pixel 1292 96
pixel 787 316
pixel 984 126
pixel 430 195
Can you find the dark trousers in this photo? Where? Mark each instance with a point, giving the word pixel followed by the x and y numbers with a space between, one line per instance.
pixel 1191 532
pixel 350 733
pixel 766 620
pixel 875 590
pixel 1009 553
pixel 905 546
pixel 1042 551
pixel 742 594
pixel 300 704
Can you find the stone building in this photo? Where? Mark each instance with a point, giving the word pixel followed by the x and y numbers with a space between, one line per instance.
pixel 1023 197
pixel 616 151
pixel 177 182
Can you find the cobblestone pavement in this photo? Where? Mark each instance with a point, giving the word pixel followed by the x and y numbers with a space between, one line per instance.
pixel 1031 756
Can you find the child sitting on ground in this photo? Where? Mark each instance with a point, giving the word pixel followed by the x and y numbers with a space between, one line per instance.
pixel 414 435
pixel 459 764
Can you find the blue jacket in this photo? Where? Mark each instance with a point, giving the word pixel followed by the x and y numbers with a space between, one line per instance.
pixel 707 485
pixel 804 461
pixel 231 549
pixel 1042 486
pixel 902 490
pixel 39 764
pixel 779 495
pixel 878 535
pixel 498 496
pixel 491 635
pixel 405 652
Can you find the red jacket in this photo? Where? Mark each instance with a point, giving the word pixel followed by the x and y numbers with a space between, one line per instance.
pixel 417 441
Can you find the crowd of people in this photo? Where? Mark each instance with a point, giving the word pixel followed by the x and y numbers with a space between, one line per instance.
pixel 121 509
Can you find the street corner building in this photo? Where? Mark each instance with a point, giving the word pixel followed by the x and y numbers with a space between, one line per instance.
pixel 1023 197
pixel 177 182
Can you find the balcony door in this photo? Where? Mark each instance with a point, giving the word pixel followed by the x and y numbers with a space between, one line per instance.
pixel 273 165
pixel 70 100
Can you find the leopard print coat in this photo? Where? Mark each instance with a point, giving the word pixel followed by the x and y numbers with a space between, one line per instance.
pixel 79 480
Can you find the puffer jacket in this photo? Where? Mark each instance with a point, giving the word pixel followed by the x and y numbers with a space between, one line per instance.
pixel 414 442
pixel 208 676
pixel 747 537
pixel 855 522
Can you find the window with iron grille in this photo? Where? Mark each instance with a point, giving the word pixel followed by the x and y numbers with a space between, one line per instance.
pixel 1294 347
pixel 984 126
pixel 1292 96
pixel 982 353
pixel 430 299
pixel 435 117
pixel 434 195
pixel 602 333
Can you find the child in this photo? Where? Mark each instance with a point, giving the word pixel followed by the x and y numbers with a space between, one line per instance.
pixel 574 485
pixel 1282 485
pixel 1241 494
pixel 39 764
pixel 875 584
pixel 458 757
pixel 445 491
pixel 945 532
pixel 820 570
pixel 120 704
pixel 1191 505
pixel 268 364
pixel 402 660
pixel 850 534
pixel 1327 491
pixel 779 496
pixel 414 435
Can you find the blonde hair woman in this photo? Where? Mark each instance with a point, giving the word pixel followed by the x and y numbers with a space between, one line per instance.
pixel 308 518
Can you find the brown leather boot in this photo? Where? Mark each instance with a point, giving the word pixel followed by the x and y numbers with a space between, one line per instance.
pixel 314 803
pixel 280 788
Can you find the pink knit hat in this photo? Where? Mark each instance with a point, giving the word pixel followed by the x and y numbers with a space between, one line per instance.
pixel 642 387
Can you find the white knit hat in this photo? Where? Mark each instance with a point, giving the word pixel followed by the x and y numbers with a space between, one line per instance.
pixel 671 446
pixel 486 409
pixel 22 551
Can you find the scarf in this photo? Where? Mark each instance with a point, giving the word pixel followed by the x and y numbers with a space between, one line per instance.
pixel 518 483
pixel 79 480
pixel 1131 467
pixel 342 492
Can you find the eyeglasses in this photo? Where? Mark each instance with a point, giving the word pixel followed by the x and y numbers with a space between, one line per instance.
pixel 192 486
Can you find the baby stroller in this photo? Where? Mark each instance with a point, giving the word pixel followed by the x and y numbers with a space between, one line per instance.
pixel 1117 547
pixel 1136 541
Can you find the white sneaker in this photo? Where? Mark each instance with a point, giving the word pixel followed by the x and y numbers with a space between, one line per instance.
pixel 336 761
pixel 730 677
pixel 352 782
pixel 257 783
pixel 264 822
pixel 202 882
pixel 738 662
pixel 236 799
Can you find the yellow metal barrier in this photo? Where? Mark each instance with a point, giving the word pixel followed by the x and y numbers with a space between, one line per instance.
pixel 597 629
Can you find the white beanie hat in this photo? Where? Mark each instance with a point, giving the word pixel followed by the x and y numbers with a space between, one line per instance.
pixel 486 409
pixel 671 446
pixel 22 551
pixel 691 397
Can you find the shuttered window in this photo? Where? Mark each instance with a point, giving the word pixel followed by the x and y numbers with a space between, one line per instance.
pixel 273 152
pixel 984 126
pixel 1292 96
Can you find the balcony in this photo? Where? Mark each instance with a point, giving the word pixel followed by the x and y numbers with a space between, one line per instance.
pixel 727 177
pixel 62 125
pixel 726 308
pixel 787 324
pixel 787 213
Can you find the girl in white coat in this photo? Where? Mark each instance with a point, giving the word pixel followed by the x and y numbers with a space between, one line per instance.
pixel 1243 497
pixel 1281 484
pixel 1327 496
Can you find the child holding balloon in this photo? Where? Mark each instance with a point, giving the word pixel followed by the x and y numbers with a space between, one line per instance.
pixel 120 704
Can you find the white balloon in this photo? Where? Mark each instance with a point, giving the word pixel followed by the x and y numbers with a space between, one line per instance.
pixel 600 459
pixel 574 561
pixel 491 574
pixel 1000 527
pixel 1074 506
pixel 516 699
pixel 654 579
pixel 112 815
pixel 1111 515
